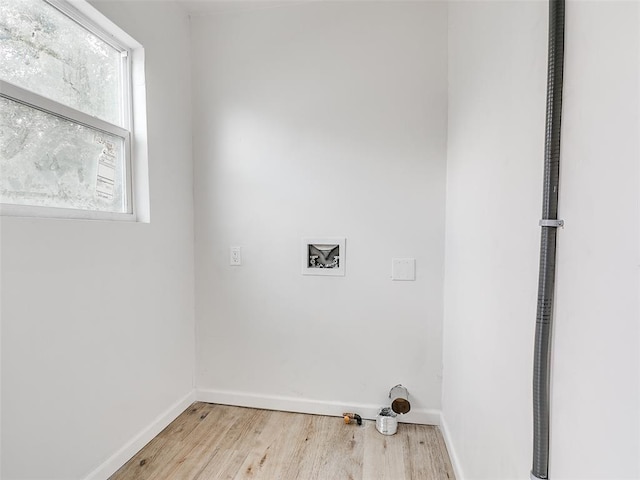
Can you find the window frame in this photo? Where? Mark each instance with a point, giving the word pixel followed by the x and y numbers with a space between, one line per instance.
pixel 84 17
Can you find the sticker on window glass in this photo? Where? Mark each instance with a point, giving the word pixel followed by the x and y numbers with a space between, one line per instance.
pixel 105 184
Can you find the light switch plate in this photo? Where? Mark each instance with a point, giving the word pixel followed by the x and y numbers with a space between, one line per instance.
pixel 403 269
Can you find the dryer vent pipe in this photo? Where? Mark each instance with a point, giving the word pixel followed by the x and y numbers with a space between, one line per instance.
pixel 399 399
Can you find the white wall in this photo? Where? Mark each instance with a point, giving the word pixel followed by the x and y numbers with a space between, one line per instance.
pixel 596 384
pixel 497 74
pixel 97 317
pixel 320 119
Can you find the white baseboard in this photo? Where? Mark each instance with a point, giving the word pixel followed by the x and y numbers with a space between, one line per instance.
pixel 455 461
pixel 316 407
pixel 134 445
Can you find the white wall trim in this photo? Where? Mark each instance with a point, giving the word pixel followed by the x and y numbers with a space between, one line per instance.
pixel 453 456
pixel 133 446
pixel 315 407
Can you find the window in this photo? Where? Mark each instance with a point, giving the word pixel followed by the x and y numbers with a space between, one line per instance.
pixel 65 113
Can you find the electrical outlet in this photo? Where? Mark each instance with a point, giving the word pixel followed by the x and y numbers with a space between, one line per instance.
pixel 235 256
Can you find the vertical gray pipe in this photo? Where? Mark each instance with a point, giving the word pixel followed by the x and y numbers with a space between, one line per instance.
pixel 546 278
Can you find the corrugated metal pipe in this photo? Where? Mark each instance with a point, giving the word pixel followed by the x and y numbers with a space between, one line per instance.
pixel 549 225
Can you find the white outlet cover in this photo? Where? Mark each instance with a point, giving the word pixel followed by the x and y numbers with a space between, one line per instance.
pixel 403 269
pixel 235 256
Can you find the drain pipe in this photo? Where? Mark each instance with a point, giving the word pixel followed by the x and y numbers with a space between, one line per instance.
pixel 549 225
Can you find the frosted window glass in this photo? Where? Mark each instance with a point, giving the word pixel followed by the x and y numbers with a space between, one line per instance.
pixel 44 51
pixel 49 161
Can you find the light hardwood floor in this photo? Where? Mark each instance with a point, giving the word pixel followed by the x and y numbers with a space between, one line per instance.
pixel 210 441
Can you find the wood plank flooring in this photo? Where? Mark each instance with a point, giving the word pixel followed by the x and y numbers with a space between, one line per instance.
pixel 209 442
